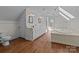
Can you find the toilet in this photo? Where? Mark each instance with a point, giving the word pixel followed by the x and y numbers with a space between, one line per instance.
pixel 4 39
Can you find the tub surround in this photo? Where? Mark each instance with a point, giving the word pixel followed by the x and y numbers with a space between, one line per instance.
pixel 65 37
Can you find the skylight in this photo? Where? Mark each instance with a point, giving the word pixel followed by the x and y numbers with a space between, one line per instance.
pixel 65 12
pixel 64 16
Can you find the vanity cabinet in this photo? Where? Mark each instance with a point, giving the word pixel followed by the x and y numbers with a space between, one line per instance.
pixel 29 26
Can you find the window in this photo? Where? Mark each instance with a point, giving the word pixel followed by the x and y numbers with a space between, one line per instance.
pixel 65 12
pixel 64 16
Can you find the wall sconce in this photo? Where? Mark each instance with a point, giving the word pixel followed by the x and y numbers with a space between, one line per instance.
pixel 29 15
pixel 39 19
pixel 30 18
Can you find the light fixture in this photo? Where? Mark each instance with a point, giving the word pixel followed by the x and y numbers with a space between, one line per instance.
pixel 65 12
pixel 64 16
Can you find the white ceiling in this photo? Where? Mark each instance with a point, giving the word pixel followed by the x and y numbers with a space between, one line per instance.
pixel 12 12
pixel 74 10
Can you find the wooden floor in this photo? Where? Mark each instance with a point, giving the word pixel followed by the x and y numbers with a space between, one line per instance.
pixel 40 45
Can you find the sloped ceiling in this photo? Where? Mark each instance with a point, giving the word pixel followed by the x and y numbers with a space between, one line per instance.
pixel 74 10
pixel 10 12
pixel 13 12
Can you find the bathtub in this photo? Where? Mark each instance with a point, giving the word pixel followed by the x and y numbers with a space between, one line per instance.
pixel 65 37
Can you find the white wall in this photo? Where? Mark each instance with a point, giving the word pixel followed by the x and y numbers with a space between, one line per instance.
pixel 74 26
pixel 9 27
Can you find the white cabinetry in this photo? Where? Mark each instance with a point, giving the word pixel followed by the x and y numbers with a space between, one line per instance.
pixel 30 28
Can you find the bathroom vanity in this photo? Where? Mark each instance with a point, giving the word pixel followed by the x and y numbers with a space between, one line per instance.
pixel 65 37
pixel 31 25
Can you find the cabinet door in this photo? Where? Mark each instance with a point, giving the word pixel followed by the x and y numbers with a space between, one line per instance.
pixel 39 28
pixel 35 28
pixel 35 32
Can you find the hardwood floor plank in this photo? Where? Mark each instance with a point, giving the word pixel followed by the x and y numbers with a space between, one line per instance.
pixel 40 45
